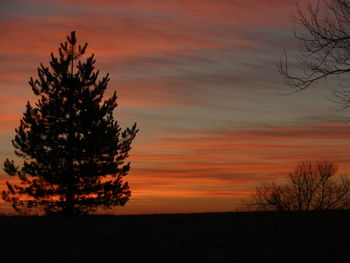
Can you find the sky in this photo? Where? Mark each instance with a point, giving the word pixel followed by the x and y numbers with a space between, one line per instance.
pixel 199 77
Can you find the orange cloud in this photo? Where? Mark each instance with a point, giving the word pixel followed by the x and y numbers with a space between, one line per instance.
pixel 228 164
pixel 231 161
pixel 182 69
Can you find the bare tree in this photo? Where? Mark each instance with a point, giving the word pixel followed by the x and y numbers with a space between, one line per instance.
pixel 311 186
pixel 325 47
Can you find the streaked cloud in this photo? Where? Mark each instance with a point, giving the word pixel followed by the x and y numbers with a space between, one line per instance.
pixel 199 77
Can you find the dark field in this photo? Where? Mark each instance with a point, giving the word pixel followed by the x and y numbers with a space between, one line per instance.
pixel 220 237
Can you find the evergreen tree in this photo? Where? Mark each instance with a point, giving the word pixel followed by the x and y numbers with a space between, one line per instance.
pixel 74 151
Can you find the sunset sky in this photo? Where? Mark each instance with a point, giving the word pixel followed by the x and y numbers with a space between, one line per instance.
pixel 199 77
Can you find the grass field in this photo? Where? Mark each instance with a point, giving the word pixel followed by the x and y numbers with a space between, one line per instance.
pixel 216 237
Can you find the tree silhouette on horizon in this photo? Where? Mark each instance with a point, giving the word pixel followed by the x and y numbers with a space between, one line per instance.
pixel 74 151
pixel 310 186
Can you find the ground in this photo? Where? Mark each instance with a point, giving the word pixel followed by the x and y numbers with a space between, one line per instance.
pixel 212 237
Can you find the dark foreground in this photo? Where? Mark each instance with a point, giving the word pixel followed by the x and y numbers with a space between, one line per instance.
pixel 223 237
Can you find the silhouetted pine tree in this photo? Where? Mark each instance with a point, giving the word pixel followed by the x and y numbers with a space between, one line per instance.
pixel 74 151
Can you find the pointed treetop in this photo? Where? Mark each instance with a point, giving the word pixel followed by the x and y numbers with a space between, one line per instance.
pixel 72 39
